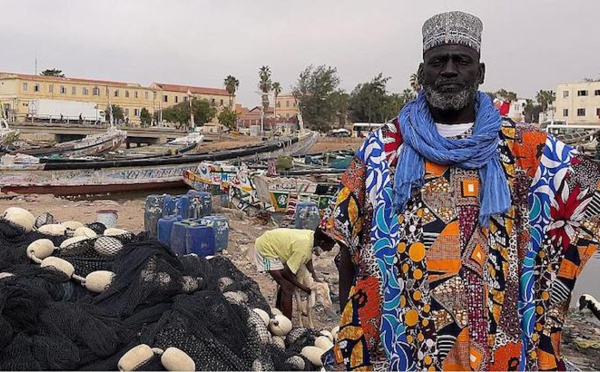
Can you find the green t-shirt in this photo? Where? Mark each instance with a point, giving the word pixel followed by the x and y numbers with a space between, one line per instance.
pixel 292 246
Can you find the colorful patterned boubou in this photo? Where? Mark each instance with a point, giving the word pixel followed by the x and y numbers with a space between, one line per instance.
pixel 434 289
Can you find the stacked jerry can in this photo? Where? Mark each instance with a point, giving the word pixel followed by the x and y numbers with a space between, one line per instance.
pixel 184 222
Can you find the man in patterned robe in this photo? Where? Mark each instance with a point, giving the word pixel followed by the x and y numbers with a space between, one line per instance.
pixel 469 270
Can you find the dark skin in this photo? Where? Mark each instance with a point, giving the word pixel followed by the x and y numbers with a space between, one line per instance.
pixel 457 63
pixel 288 282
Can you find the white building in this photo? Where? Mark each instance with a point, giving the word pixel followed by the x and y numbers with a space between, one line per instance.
pixel 517 110
pixel 578 103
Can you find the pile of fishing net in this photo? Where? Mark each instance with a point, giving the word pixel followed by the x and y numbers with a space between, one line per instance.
pixel 75 296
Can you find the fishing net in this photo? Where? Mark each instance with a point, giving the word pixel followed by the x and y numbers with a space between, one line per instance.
pixel 50 321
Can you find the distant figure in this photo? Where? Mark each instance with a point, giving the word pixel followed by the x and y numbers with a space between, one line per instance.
pixel 61 117
pixel 80 118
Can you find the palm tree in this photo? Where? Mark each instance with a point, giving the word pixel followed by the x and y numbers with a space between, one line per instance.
pixel 231 85
pixel 265 85
pixel 276 90
pixel 545 98
pixel 414 83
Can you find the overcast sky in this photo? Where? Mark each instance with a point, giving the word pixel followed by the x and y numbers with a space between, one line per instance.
pixel 528 45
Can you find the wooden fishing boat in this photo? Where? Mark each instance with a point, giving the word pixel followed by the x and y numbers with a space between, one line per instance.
pixel 256 190
pixel 22 174
pixel 6 134
pixel 94 144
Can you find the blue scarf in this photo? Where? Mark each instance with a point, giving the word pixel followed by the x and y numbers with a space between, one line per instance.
pixel 479 151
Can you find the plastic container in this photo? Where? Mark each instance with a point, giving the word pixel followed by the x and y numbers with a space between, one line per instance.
pixel 307 215
pixel 220 227
pixel 165 226
pixel 177 239
pixel 153 211
pixel 176 204
pixel 108 217
pixel 200 240
pixel 189 236
pixel 200 204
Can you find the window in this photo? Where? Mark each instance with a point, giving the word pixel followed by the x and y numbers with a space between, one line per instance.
pixel 85 91
pixel 185 99
pixel 565 112
pixel 36 88
pixel 73 90
pixel 136 112
pixel 294 103
pixel 165 98
pixel 116 92
pixel 145 95
pixel 126 94
pixel 212 100
pixel 96 91
pixel 125 112
pixel 580 112
pixel 598 112
pixel 221 102
pixel 565 94
pixel 287 103
pixel 582 93
pixel 597 92
pixel 63 89
pixel 176 99
pixel 25 87
pixel 135 94
pixel 50 88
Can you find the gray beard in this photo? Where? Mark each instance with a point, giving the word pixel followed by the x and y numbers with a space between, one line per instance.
pixel 450 101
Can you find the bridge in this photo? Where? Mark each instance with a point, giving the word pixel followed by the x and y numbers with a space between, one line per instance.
pixel 69 131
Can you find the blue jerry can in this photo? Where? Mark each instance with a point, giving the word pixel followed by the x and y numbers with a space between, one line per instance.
pixel 307 215
pixel 220 227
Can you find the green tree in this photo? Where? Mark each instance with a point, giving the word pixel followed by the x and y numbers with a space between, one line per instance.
pixel 314 92
pixel 341 104
pixel 368 101
pixel 276 87
pixel 506 95
pixel 117 113
pixel 180 113
pixel 231 86
pixel 531 111
pixel 545 98
pixel 265 85
pixel 52 72
pixel 145 117
pixel 414 83
pixel 228 117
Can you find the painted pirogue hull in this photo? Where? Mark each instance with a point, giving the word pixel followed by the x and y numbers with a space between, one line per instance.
pixel 88 146
pixel 91 177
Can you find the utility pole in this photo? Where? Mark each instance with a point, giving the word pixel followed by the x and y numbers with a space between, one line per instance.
pixel 192 123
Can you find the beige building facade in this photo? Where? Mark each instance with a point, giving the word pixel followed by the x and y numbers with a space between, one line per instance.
pixel 286 105
pixel 18 91
pixel 578 103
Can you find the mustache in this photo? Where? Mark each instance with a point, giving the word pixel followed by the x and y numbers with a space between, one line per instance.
pixel 443 81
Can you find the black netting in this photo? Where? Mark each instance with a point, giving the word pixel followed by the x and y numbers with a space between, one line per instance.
pixel 97 227
pixel 84 256
pixel 49 321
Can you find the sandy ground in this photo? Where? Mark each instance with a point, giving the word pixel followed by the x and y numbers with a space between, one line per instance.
pixel 581 342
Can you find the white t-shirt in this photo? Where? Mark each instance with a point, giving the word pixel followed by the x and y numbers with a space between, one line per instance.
pixel 452 130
